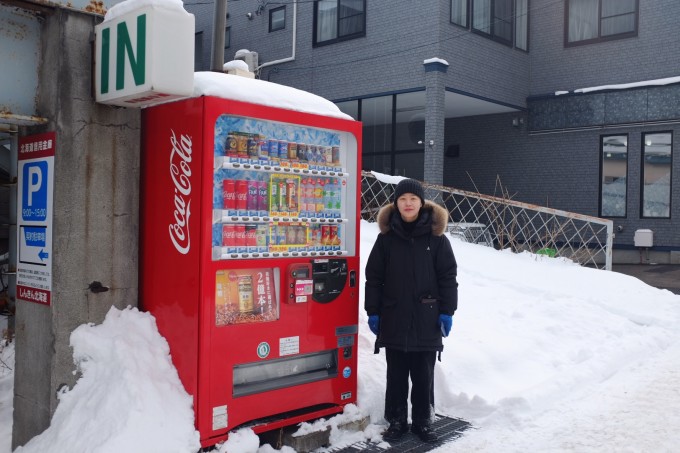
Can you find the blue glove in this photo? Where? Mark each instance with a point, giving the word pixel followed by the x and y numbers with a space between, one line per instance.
pixel 374 323
pixel 445 322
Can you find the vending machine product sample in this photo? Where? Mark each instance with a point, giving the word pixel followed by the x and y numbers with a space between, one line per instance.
pixel 249 258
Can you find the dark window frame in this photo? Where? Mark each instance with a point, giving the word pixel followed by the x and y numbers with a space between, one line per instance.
pixel 602 138
pixel 227 37
pixel 492 25
pixel 361 34
pixel 271 13
pixel 642 176
pixel 599 38
pixel 512 42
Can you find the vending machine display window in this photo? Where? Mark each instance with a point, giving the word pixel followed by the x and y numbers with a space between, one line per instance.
pixel 246 296
pixel 279 190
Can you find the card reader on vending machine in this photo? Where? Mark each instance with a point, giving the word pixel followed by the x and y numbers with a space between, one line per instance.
pixel 323 280
pixel 330 277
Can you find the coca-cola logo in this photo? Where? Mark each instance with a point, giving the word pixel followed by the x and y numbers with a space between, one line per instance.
pixel 180 173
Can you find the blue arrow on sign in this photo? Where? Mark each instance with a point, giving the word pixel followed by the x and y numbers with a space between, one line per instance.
pixel 43 255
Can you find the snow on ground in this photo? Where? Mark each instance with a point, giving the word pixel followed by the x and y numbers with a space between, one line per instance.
pixel 544 355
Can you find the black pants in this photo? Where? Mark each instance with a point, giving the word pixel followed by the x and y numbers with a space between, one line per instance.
pixel 420 366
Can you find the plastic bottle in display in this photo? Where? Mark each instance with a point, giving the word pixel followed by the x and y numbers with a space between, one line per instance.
pixel 318 197
pixel 337 199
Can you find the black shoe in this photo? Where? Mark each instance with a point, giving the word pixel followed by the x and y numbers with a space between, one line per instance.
pixel 425 433
pixel 395 431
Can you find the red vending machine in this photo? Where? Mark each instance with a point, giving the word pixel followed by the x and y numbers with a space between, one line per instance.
pixel 250 258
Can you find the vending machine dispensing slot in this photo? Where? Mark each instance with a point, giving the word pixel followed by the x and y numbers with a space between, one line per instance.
pixel 330 277
pixel 259 377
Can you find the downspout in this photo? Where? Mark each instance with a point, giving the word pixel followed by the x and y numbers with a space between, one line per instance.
pixel 219 24
pixel 292 57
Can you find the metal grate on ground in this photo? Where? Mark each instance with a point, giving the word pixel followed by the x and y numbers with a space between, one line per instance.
pixel 447 428
pixel 505 223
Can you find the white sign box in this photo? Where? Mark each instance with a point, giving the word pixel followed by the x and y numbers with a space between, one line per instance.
pixel 145 57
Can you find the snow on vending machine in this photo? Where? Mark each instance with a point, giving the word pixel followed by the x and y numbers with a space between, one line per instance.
pixel 250 258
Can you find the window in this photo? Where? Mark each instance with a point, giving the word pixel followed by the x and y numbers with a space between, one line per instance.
pixel 614 172
pixel 227 37
pixel 506 21
pixel 493 18
pixel 351 108
pixel 598 20
pixel 656 174
pixel 277 18
pixel 338 20
pixel 459 12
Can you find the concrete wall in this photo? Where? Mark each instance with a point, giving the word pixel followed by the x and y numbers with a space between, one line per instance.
pixel 95 221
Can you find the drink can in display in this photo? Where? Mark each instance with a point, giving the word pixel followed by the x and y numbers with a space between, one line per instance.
pixel 251 200
pixel 318 197
pixel 292 198
pixel 283 150
pixel 240 237
pixel 318 155
pixel 292 151
pixel 302 152
pixel 334 238
pixel 229 195
pixel 290 234
pixel 273 150
pixel 253 146
pixel 281 230
pixel 327 156
pixel 315 239
pixel 251 237
pixel 273 195
pixel 262 193
pixel 242 197
pixel 301 235
pixel 241 145
pixel 309 156
pixel 283 195
pixel 245 294
pixel 335 153
pixel 325 234
pixel 231 145
pixel 263 150
pixel 229 236
pixel 262 237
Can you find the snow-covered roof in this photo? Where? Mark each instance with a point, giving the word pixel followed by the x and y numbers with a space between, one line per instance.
pixel 623 86
pixel 261 92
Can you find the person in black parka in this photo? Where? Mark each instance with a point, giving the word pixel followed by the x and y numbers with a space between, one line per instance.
pixel 410 298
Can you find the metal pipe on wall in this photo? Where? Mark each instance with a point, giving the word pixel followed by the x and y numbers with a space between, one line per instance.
pixel 219 24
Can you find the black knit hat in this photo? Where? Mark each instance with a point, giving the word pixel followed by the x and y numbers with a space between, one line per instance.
pixel 409 186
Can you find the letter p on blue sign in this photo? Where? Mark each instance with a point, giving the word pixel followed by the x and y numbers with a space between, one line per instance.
pixel 34 192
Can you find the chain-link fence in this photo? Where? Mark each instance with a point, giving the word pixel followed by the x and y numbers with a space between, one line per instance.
pixel 504 223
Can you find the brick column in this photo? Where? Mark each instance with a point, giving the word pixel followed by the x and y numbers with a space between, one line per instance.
pixel 435 76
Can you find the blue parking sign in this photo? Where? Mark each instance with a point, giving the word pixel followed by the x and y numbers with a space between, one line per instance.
pixel 34 192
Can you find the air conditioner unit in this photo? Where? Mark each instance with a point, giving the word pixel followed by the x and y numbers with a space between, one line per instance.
pixel 249 57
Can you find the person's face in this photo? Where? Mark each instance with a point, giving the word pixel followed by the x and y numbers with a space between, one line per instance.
pixel 409 206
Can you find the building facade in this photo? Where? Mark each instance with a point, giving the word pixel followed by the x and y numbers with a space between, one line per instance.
pixel 571 104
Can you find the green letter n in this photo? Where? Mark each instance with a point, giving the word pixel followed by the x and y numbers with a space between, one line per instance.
pixel 124 45
pixel 106 43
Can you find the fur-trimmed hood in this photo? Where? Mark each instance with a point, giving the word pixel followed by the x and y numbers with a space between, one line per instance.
pixel 439 215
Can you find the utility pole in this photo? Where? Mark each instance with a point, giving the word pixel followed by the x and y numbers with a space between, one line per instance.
pixel 219 26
